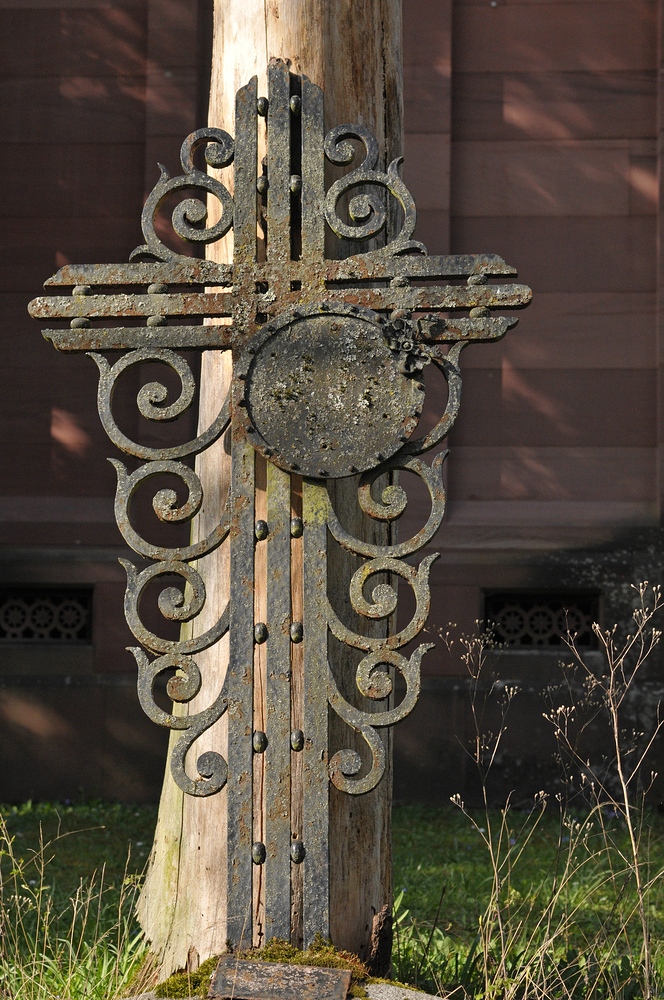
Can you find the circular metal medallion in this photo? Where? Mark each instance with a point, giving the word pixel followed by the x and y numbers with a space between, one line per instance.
pixel 322 393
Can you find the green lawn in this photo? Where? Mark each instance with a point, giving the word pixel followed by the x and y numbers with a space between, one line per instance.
pixel 437 853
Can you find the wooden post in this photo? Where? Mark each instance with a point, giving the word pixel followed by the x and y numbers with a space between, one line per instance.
pixel 352 50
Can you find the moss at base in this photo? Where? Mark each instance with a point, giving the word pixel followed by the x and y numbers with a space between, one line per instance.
pixel 321 953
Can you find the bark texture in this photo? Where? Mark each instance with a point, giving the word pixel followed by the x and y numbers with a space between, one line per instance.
pixel 353 50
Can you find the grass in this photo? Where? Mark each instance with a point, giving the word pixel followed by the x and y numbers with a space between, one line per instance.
pixel 564 901
pixel 433 849
pixel 68 881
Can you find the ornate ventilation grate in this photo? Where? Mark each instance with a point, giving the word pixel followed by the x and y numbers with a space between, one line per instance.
pixel 530 620
pixel 30 614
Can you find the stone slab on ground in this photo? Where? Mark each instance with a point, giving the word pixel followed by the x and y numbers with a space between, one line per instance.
pixel 386 991
pixel 375 991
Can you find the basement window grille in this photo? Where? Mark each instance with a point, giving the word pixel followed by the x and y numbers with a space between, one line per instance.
pixel 38 615
pixel 541 620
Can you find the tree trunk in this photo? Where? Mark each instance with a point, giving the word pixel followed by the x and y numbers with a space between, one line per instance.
pixel 352 49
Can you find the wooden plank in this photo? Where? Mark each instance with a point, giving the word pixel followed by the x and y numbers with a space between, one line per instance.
pixel 315 811
pixel 277 874
pixel 578 330
pixel 600 408
pixel 613 35
pixel 541 179
pixel 560 254
pixel 553 473
pixel 553 105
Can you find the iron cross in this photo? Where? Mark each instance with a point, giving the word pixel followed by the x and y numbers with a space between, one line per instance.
pixel 332 319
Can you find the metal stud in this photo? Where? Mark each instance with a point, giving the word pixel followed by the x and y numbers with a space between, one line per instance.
pixel 262 184
pixel 262 105
pixel 259 742
pixel 297 740
pixel 81 290
pixel 261 531
pixel 296 104
pixel 297 852
pixel 258 853
pixel 297 632
pixel 296 527
pixel 157 288
pixel 156 321
pixel 80 323
pixel 295 184
pixel 260 632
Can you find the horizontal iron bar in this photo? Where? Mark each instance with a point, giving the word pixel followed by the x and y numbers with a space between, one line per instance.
pixel 198 272
pixel 123 338
pixel 363 267
pixel 445 297
pixel 166 304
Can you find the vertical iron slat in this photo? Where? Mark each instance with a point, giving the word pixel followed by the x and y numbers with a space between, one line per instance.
pixel 315 826
pixel 278 164
pixel 313 172
pixel 245 173
pixel 239 690
pixel 277 771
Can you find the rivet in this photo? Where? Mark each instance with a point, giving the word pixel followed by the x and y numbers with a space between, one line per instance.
pixel 81 290
pixel 80 323
pixel 297 852
pixel 477 279
pixel 400 281
pixel 296 632
pixel 295 184
pixel 296 104
pixel 477 312
pixel 297 740
pixel 262 184
pixel 296 527
pixel 260 632
pixel 158 288
pixel 259 742
pixel 261 531
pixel 156 321
pixel 262 104
pixel 258 853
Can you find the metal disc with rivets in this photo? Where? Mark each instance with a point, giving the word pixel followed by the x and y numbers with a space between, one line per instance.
pixel 321 391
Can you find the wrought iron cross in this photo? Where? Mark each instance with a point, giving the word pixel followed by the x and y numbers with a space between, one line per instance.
pixel 328 382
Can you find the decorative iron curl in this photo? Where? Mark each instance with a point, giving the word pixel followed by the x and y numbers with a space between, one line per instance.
pixel 393 503
pixel 211 766
pixel 367 212
pixel 377 685
pixel 151 402
pixel 384 599
pixel 173 604
pixel 165 505
pixel 188 215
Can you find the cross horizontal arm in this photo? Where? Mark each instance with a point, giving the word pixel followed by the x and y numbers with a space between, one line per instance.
pixel 446 297
pixel 190 272
pixel 120 338
pixel 377 266
pixel 98 306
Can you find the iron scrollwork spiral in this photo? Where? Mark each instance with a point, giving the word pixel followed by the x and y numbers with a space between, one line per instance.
pixel 373 680
pixel 189 215
pixel 178 604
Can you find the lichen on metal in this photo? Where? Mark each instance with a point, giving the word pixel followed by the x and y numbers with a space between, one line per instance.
pixel 330 365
